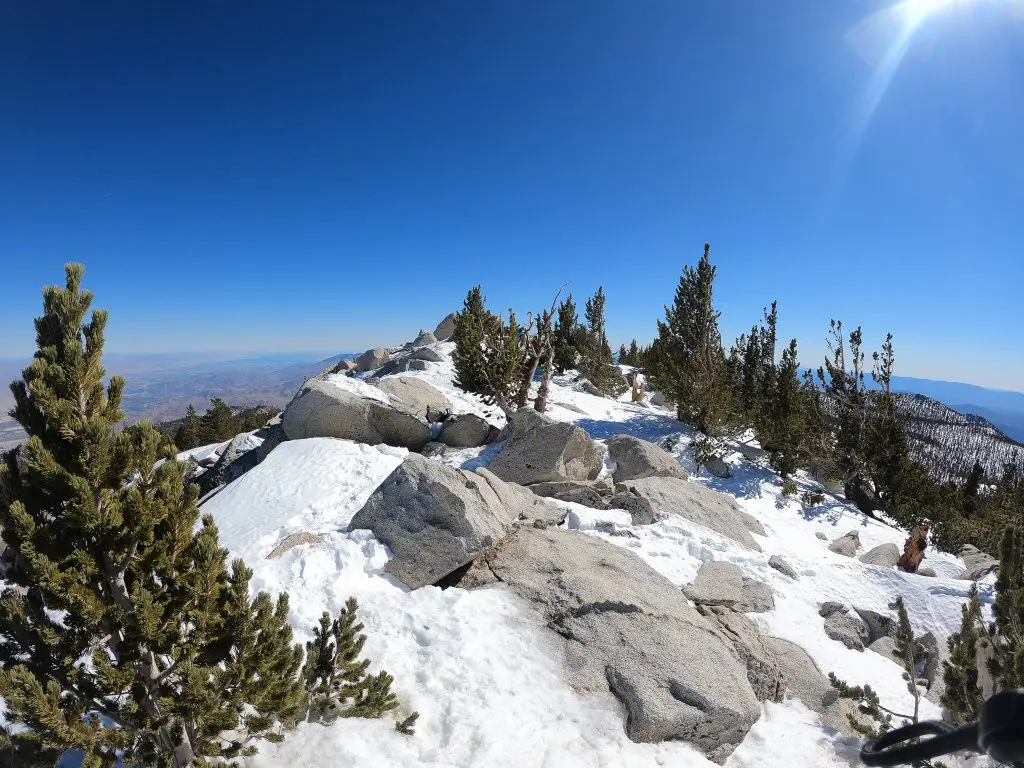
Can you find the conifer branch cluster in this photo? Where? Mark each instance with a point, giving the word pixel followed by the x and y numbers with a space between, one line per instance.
pixel 127 635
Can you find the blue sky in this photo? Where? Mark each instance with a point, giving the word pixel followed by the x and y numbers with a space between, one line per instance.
pixel 331 176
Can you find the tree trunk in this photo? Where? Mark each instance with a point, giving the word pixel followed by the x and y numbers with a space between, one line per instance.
pixel 541 403
pixel 526 374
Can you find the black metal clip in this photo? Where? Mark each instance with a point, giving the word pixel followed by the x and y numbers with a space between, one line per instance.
pixel 999 733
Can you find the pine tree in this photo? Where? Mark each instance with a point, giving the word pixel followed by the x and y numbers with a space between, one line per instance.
pixel 123 610
pixel 972 488
pixel 566 336
pixel 633 356
pixel 962 696
pixel 1007 664
pixel 335 676
pixel 783 433
pixel 217 424
pixel 622 356
pixel 486 352
pixel 595 362
pixel 188 434
pixel 687 360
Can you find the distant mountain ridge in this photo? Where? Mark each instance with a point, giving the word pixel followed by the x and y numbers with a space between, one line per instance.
pixel 948 442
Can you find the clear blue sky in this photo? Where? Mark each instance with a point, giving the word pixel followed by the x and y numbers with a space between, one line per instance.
pixel 330 176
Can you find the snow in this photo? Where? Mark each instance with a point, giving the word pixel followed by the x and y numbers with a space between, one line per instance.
pixel 356 387
pixel 481 667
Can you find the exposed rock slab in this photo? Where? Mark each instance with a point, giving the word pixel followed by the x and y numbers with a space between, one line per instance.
pixel 445 328
pixel 649 499
pixel 628 629
pixel 977 564
pixel 756 597
pixel 595 494
pixel 777 563
pixel 635 458
pixel 846 629
pixel 321 409
pixel 806 682
pixel 436 518
pixel 414 396
pixel 467 430
pixel 764 674
pixel 717 583
pixel 372 359
pixel 538 451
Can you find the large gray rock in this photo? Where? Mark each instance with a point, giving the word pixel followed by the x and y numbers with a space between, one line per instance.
pixel 659 399
pixel 756 597
pixel 423 339
pixel 272 435
pixel 806 682
pixel 848 630
pixel 628 629
pixel 428 354
pixel 777 563
pixel 390 368
pixel 541 451
pixel 879 624
pixel 846 545
pixel 764 674
pixel 436 519
pixel 321 409
pixel 649 499
pixel 445 328
pixel 718 467
pixel 884 554
pixel 372 359
pixel 717 583
pixel 926 570
pixel 467 430
pixel 595 494
pixel 235 460
pixel 414 396
pixel 977 564
pixel 636 458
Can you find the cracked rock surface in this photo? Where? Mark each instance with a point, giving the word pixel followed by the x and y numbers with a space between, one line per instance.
pixel 627 629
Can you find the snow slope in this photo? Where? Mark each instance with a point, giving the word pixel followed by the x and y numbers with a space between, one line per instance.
pixel 479 666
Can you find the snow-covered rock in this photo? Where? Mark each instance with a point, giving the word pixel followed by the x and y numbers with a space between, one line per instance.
pixel 628 629
pixel 635 458
pixel 435 519
pixel 538 450
pixel 427 354
pixel 650 499
pixel 339 406
pixel 887 555
pixel 846 545
pixel 415 397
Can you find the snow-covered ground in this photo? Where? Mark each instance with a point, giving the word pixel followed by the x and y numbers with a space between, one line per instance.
pixel 479 665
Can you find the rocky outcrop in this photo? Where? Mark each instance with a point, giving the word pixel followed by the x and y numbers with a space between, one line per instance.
pixel 878 625
pixel 977 564
pixel 756 597
pixel 427 354
pixel 321 409
pixel 296 540
pixel 649 499
pixel 436 519
pixel 628 629
pixel 423 339
pixel 764 674
pixel 887 555
pixel 467 430
pixel 595 494
pixel 846 545
pixel 717 583
pixel 718 467
pixel 372 359
pixel 805 682
pixel 415 396
pixel 844 628
pixel 635 458
pixel 540 451
pixel 445 328
pixel 777 563
pixel 237 458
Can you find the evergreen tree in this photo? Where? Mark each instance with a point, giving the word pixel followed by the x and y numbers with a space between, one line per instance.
pixel 622 356
pixel 335 676
pixel 687 360
pixel 115 570
pixel 1007 664
pixel 217 424
pixel 484 351
pixel 595 362
pixel 962 696
pixel 633 356
pixel 188 434
pixel 783 434
pixel 842 380
pixel 567 335
pixel 972 488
